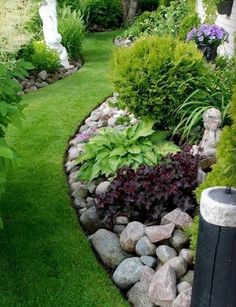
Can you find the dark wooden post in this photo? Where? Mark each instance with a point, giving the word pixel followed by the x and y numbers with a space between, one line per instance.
pixel 215 270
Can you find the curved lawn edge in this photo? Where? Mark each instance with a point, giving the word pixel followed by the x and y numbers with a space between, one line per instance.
pixel 45 258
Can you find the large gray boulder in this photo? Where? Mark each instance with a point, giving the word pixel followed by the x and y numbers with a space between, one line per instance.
pixel 183 299
pixel 138 295
pixel 128 273
pixel 162 290
pixel 130 236
pixel 90 220
pixel 179 265
pixel 107 245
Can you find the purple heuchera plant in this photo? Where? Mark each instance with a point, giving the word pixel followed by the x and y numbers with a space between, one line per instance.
pixel 208 34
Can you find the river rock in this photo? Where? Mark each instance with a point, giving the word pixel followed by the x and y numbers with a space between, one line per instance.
pixel 188 255
pixel 179 265
pixel 183 286
pixel 149 261
pixel 144 247
pixel 147 274
pixel 159 232
pixel 177 217
pixel 138 295
pixel 178 240
pixel 162 290
pixel 43 75
pixel 130 236
pixel 118 228
pixel 128 272
pixel 90 220
pixel 102 188
pixel 183 299
pixel 165 253
pixel 188 277
pixel 107 245
pixel 79 190
pixel 121 220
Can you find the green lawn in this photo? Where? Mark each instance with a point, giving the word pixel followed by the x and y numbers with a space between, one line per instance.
pixel 45 259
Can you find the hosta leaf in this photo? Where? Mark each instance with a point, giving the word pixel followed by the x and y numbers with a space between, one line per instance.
pixel 151 156
pixel 134 149
pixel 95 171
pixel 144 129
pixel 167 148
pixel 113 163
pixel 120 151
pixel 6 152
pixel 85 171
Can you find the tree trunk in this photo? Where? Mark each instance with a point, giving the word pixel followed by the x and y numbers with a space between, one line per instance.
pixel 129 10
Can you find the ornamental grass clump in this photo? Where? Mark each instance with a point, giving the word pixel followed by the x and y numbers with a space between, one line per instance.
pixel 148 193
pixel 212 35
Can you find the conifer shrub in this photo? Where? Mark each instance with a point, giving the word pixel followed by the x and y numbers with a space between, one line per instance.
pixel 156 75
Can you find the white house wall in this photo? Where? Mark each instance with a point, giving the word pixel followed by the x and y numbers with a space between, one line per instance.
pixel 228 23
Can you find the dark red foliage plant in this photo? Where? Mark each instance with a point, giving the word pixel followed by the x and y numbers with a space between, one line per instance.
pixel 148 193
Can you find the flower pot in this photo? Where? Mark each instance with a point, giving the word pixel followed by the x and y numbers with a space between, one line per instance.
pixel 209 52
pixel 225 7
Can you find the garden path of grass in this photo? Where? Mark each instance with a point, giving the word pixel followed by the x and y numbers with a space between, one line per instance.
pixel 45 259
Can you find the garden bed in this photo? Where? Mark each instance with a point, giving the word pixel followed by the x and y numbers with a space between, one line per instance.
pixel 141 257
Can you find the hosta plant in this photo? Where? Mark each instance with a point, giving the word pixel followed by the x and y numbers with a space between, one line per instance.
pixel 112 149
pixel 149 192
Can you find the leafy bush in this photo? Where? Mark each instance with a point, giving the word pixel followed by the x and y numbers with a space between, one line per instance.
pixel 188 23
pixel 11 108
pixel 104 13
pixel 224 171
pixel 151 191
pixel 156 75
pixel 217 94
pixel 112 149
pixel 165 21
pixel 42 57
pixel 72 29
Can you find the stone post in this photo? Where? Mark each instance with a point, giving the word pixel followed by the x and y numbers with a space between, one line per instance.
pixel 215 270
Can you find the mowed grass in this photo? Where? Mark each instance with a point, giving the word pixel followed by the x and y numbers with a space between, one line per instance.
pixel 45 258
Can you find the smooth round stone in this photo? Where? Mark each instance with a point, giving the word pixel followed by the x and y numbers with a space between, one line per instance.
pixel 183 286
pixel 118 228
pixel 188 255
pixel 144 247
pixel 165 253
pixel 178 240
pixel 121 220
pixel 149 261
pixel 102 188
pixel 188 277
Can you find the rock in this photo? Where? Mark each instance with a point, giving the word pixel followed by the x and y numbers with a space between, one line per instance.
pixel 43 75
pixel 188 277
pixel 102 187
pixel 73 177
pixel 183 299
pixel 91 187
pixel 162 290
pixel 183 286
pixel 179 265
pixel 165 253
pixel 128 272
pixel 107 245
pixel 130 236
pixel 147 274
pixel 83 210
pixel 138 295
pixel 159 232
pixel 177 217
pixel 121 220
pixel 188 255
pixel 70 165
pixel 90 220
pixel 145 248
pixel 112 121
pixel 118 228
pixel 149 261
pixel 90 202
pixel 43 84
pixel 95 116
pixel 80 202
pixel 83 128
pixel 178 240
pixel 79 190
pixel 32 88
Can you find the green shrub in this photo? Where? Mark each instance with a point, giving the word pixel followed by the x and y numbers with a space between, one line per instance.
pixel 156 75
pixel 112 149
pixel 165 21
pixel 224 171
pixel 11 107
pixel 72 29
pixel 42 57
pixel 188 23
pixel 104 13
